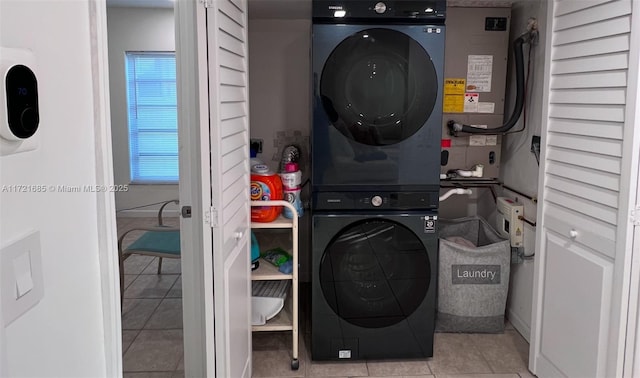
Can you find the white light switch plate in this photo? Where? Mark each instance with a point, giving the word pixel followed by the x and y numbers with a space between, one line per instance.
pixel 21 278
pixel 23 273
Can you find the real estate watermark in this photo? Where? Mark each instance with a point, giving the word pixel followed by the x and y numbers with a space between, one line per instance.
pixel 91 188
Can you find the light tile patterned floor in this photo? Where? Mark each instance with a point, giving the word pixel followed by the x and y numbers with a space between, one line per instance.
pixel 152 337
pixel 502 355
pixel 152 312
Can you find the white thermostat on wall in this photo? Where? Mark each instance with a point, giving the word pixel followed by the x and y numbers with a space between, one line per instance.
pixel 19 113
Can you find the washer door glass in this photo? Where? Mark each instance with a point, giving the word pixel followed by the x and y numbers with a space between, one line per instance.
pixel 375 273
pixel 378 87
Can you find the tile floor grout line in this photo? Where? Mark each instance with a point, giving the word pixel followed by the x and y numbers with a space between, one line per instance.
pixel 493 371
pixel 141 329
pixel 132 341
pixel 175 369
pixel 152 313
pixel 122 329
pixel 159 303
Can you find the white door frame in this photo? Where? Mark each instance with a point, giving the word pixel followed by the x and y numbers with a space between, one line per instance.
pixel 626 285
pixel 105 201
pixel 632 352
pixel 193 112
pixel 632 347
pixel 226 34
pixel 195 179
pixel 632 368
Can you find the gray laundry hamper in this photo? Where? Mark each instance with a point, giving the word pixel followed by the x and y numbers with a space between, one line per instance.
pixel 473 277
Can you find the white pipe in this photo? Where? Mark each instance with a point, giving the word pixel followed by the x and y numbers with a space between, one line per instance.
pixel 455 191
pixel 475 172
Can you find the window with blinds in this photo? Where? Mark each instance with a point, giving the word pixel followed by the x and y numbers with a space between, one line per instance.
pixel 153 117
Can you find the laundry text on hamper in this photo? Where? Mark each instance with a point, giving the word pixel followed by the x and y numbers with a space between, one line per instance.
pixel 475 274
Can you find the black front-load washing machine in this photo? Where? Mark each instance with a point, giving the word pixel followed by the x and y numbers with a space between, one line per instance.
pixel 374 276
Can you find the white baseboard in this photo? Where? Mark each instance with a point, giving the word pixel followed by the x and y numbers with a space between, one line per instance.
pixel 520 326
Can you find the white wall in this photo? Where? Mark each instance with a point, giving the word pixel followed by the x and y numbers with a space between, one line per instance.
pixel 63 335
pixel 279 78
pixel 134 29
pixel 279 98
pixel 519 167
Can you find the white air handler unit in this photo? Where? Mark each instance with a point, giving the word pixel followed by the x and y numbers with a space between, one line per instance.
pixel 510 225
pixel 475 78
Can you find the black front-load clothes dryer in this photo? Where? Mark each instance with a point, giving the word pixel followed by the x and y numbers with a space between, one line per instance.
pixel 374 284
pixel 377 94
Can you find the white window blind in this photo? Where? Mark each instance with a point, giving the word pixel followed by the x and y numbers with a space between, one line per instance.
pixel 153 119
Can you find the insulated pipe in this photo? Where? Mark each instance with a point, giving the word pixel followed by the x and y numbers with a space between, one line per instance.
pixel 454 191
pixel 455 127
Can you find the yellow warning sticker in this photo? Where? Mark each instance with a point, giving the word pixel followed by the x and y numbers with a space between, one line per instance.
pixel 453 103
pixel 454 86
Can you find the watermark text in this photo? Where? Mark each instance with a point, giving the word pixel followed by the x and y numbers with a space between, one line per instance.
pixel 33 188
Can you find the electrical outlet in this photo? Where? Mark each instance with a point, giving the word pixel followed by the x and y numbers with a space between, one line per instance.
pixel 256 145
pixel 535 144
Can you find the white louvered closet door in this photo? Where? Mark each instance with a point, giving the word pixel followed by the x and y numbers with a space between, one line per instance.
pixel 582 276
pixel 229 109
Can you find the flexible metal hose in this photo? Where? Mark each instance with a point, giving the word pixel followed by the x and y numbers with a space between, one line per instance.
pixel 455 127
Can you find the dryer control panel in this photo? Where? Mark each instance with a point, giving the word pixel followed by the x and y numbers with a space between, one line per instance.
pixel 375 200
pixel 337 11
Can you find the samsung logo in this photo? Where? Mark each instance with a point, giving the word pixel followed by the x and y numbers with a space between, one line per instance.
pixel 335 7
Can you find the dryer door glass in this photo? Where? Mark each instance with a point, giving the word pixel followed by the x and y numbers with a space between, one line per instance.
pixel 375 273
pixel 378 87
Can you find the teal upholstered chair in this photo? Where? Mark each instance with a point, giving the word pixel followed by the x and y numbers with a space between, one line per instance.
pixel 160 241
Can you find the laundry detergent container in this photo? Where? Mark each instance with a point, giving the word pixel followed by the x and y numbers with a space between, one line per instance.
pixel 473 277
pixel 265 186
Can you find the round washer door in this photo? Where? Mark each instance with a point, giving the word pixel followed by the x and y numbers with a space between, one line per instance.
pixel 378 87
pixel 375 273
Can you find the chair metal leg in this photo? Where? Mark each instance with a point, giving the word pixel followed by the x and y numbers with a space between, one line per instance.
pixel 121 265
pixel 159 265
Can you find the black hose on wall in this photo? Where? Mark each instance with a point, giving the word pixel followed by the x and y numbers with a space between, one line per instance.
pixel 455 127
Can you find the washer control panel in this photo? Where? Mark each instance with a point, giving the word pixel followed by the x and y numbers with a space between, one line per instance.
pixel 375 200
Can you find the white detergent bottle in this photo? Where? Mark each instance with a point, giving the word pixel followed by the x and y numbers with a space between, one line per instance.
pixel 291 180
pixel 254 160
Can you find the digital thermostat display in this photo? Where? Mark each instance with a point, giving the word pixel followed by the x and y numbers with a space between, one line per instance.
pixel 22 101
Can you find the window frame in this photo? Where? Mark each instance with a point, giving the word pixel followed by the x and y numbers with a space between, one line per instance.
pixel 134 131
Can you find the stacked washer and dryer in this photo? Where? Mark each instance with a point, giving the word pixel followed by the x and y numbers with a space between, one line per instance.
pixel 376 141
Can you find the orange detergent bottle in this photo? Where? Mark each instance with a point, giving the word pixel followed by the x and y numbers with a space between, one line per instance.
pixel 265 186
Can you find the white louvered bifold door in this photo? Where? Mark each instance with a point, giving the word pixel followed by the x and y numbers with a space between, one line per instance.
pixel 582 272
pixel 229 109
